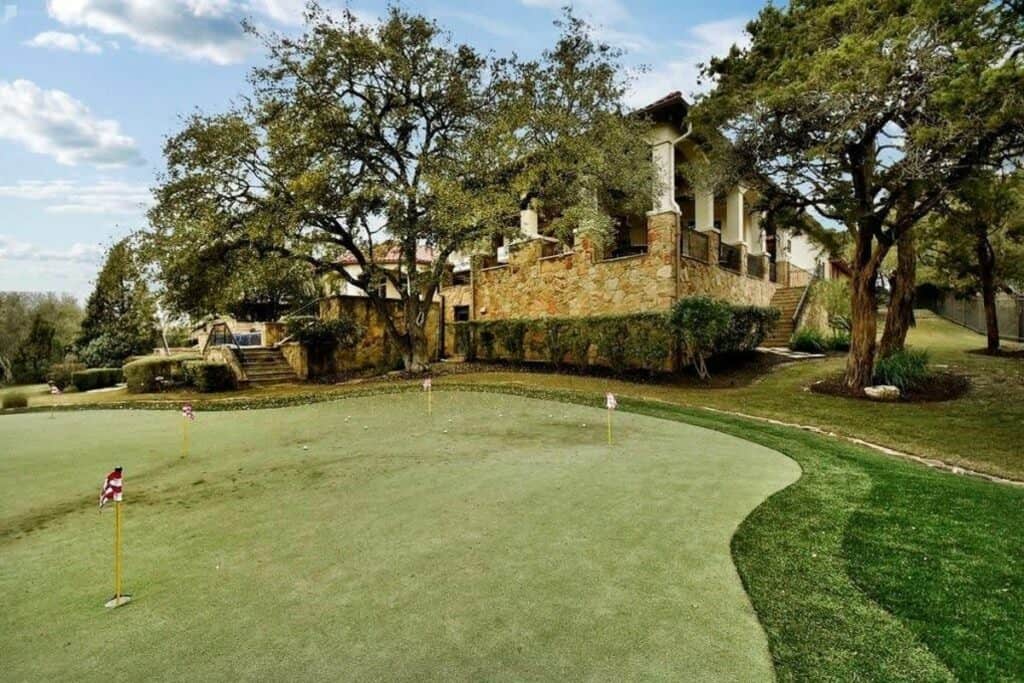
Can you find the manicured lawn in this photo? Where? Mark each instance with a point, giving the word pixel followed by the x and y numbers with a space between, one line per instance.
pixel 983 430
pixel 499 539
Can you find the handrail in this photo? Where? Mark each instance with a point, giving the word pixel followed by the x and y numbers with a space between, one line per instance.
pixel 230 334
pixel 803 299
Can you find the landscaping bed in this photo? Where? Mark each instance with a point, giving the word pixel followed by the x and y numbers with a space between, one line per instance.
pixel 939 386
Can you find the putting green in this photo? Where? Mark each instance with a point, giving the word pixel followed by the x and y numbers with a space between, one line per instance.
pixel 359 539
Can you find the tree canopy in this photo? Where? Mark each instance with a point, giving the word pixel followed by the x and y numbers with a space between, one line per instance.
pixel 868 114
pixel 358 135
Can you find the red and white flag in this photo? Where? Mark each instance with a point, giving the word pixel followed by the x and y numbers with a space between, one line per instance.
pixel 111 488
pixel 427 384
pixel 55 390
pixel 610 402
pixel 187 412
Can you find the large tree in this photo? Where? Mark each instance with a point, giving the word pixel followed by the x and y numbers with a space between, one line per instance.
pixel 20 313
pixel 975 242
pixel 120 312
pixel 868 112
pixel 388 139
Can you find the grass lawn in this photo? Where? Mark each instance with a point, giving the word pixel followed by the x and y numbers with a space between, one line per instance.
pixel 983 430
pixel 518 545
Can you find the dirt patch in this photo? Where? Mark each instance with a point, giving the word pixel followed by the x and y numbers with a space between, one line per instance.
pixel 941 386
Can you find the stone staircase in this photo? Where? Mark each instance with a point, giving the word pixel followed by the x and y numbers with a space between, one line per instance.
pixel 266 366
pixel 786 299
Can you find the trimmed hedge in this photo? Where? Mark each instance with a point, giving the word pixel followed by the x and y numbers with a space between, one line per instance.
pixel 620 342
pixel 96 378
pixel 141 375
pixel 13 399
pixel 206 376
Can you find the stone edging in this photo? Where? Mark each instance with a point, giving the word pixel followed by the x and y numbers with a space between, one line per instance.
pixel 929 462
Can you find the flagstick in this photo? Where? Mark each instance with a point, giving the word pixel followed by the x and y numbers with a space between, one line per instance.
pixel 184 436
pixel 609 426
pixel 118 598
pixel 430 406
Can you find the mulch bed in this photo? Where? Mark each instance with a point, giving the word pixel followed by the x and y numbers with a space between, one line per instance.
pixel 941 386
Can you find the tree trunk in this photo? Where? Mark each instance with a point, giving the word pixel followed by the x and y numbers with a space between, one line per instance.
pixel 415 353
pixel 986 263
pixel 900 317
pixel 860 363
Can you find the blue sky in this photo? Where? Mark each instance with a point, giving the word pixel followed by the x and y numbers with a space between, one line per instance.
pixel 90 88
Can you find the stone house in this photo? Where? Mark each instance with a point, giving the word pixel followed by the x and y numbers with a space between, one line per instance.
pixel 690 243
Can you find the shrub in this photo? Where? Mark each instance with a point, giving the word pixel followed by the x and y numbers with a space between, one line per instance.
pixel 578 342
pixel 61 373
pixel 464 341
pixel 839 341
pixel 96 378
pixel 610 336
pixel 326 333
pixel 808 340
pixel 108 350
pixel 206 376
pixel 512 336
pixel 747 329
pixel 906 369
pixel 141 375
pixel 700 322
pixel 486 338
pixel 650 341
pixel 557 338
pixel 14 399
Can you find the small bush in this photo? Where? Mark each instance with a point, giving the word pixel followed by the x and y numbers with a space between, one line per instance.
pixel 839 341
pixel 329 333
pixel 512 335
pixel 464 341
pixel 487 340
pixel 808 340
pixel 96 378
pixel 610 335
pixel 750 325
pixel 700 322
pixel 14 399
pixel 207 377
pixel 906 369
pixel 141 375
pixel 61 374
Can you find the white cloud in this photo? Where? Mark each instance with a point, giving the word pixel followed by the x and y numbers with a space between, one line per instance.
pixel 12 249
pixel 282 11
pixel 9 14
pixel 195 29
pixel 68 196
pixel 58 40
pixel 601 11
pixel 681 71
pixel 54 123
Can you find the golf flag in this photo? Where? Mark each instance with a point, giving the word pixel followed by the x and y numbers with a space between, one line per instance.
pixel 55 390
pixel 187 412
pixel 427 384
pixel 111 490
pixel 610 402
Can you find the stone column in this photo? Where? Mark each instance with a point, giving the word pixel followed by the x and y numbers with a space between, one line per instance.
pixel 732 231
pixel 663 154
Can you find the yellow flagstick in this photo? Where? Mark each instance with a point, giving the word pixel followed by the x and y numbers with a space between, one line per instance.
pixel 184 436
pixel 119 598
pixel 609 426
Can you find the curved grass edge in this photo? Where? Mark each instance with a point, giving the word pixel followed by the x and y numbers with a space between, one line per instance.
pixel 827 615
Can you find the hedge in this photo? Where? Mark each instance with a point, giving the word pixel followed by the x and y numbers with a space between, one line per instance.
pixel 620 342
pixel 141 375
pixel 206 376
pixel 96 378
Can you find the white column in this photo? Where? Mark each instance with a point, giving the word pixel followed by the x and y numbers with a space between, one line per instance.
pixel 732 231
pixel 704 209
pixel 755 235
pixel 782 245
pixel 663 154
pixel 528 223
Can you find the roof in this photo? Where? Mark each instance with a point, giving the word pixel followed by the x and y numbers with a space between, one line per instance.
pixel 671 108
pixel 391 254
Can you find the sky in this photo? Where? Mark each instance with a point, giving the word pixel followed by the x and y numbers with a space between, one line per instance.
pixel 90 89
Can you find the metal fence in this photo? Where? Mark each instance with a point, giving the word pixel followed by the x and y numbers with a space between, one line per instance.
pixel 729 256
pixel 970 312
pixel 755 265
pixel 694 244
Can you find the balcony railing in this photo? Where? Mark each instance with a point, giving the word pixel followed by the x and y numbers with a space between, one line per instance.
pixel 755 265
pixel 729 256
pixel 773 272
pixel 694 244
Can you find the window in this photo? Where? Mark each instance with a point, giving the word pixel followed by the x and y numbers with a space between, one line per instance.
pixel 460 277
pixel 461 314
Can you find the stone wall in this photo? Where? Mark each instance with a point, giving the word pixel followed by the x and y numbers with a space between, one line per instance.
pixel 375 350
pixel 580 283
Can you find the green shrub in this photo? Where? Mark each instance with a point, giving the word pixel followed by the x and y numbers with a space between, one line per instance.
pixel 749 326
pixel 512 336
pixel 556 336
pixel 206 376
pixel 13 399
pixel 906 369
pixel 327 333
pixel 464 341
pixel 839 341
pixel 700 322
pixel 649 341
pixel 578 341
pixel 141 375
pixel 610 337
pixel 808 340
pixel 96 378
pixel 487 338
pixel 61 373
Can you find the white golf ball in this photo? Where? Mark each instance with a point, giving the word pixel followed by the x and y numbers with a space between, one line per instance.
pixel 305 448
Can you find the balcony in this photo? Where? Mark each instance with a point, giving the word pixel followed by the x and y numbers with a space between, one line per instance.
pixel 694 244
pixel 729 257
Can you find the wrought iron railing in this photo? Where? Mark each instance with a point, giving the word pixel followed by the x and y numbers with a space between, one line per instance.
pixel 755 265
pixel 694 244
pixel 729 256
pixel 773 272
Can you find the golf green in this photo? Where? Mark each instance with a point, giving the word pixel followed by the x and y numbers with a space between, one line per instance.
pixel 500 538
